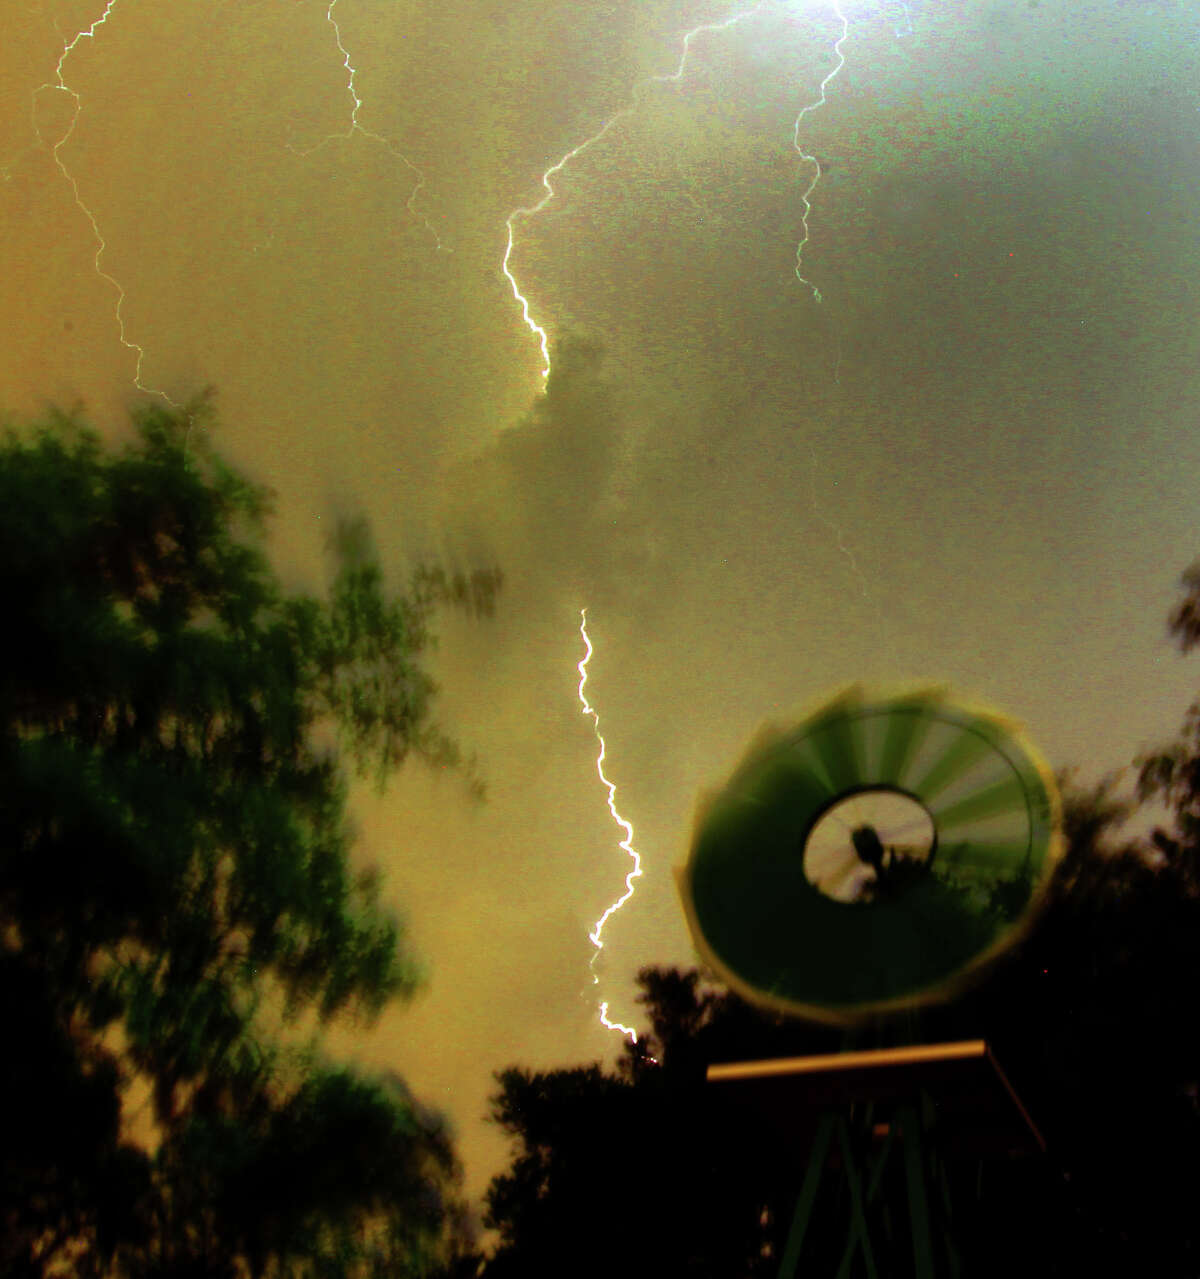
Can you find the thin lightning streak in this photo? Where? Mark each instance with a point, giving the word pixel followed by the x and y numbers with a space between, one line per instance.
pixel 626 844
pixel 812 159
pixel 60 85
pixel 532 210
pixel 821 101
pixel 355 127
pixel 835 529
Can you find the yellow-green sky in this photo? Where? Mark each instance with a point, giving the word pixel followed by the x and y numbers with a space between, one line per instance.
pixel 974 461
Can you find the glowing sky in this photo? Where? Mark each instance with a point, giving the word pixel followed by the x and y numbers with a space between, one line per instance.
pixel 974 461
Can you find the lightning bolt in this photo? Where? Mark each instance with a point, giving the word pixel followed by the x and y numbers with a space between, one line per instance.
pixel 626 844
pixel 812 159
pixel 525 212
pixel 356 127
pixel 59 85
pixel 835 529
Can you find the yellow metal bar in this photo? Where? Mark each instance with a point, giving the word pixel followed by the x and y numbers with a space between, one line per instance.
pixel 960 1049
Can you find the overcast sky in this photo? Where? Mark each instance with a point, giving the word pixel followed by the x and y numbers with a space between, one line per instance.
pixel 973 461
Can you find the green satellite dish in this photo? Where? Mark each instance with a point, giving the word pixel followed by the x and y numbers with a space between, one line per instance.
pixel 873 857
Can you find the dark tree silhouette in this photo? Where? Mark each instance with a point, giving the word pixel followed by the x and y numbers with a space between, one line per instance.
pixel 175 874
pixel 1171 774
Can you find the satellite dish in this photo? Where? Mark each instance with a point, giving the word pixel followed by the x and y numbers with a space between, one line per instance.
pixel 873 857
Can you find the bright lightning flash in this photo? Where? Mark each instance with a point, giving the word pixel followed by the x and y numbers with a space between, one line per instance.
pixel 60 85
pixel 532 210
pixel 528 211
pixel 626 844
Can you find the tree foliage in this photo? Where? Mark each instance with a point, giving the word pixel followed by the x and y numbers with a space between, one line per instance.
pixel 175 866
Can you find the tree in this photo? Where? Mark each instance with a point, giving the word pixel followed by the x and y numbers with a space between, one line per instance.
pixel 175 871
pixel 1171 773
pixel 643 1170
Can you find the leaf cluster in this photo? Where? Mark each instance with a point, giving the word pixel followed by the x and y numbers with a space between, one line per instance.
pixel 175 855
